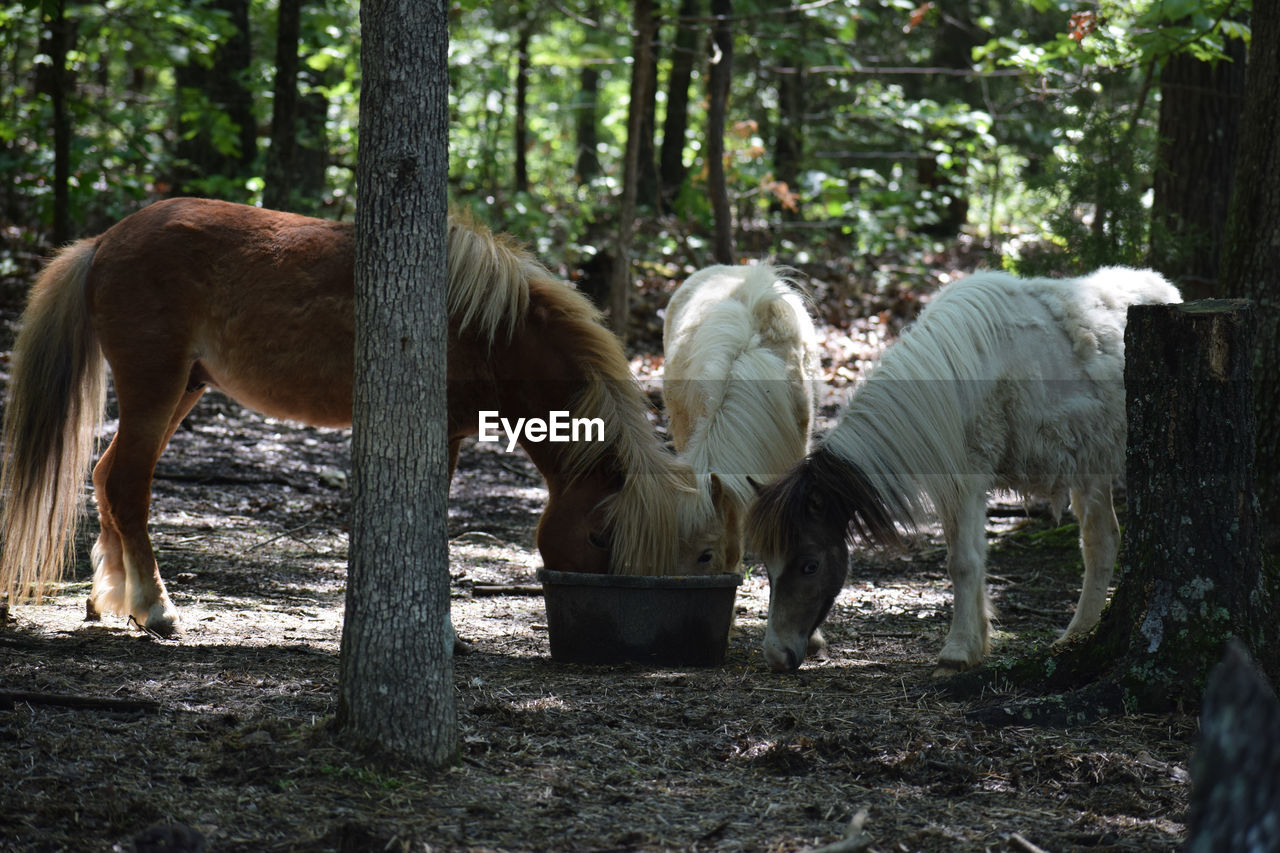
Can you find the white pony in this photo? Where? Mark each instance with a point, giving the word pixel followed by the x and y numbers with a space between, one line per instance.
pixel 738 386
pixel 1000 384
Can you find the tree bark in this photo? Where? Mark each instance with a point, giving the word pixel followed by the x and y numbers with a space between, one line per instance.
pixel 586 162
pixel 671 169
pixel 718 83
pixel 1200 106
pixel 59 38
pixel 953 44
pixel 620 290
pixel 1191 576
pixel 284 109
pixel 646 155
pixel 1251 250
pixel 395 691
pixel 521 130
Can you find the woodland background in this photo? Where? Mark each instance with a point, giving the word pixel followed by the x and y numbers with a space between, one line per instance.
pixel 882 149
pixel 1056 135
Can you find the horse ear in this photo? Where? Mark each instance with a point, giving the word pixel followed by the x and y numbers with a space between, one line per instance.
pixel 717 489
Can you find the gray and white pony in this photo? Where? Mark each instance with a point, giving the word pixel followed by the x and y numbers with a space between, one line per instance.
pixel 741 363
pixel 1001 383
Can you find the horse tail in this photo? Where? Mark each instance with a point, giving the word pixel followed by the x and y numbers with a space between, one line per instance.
pixel 57 392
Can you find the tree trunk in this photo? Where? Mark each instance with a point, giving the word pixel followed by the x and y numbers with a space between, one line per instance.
pixel 395 689
pixel 284 110
pixel 646 155
pixel 788 145
pixel 521 131
pixel 311 156
pixel 1251 250
pixel 1200 105
pixel 1191 576
pixel 620 290
pixel 202 152
pixel 57 82
pixel 671 169
pixel 718 83
pixel 953 44
pixel 586 164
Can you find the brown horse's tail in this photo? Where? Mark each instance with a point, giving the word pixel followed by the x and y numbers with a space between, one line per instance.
pixel 56 395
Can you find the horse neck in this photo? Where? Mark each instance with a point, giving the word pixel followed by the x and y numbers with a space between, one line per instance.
pixel 654 502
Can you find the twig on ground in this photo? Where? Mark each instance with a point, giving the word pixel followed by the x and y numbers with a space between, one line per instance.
pixel 9 698
pixel 483 589
pixel 854 841
pixel 1022 845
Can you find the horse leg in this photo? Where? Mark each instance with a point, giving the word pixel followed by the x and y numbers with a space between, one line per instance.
pixel 1099 542
pixel 966 536
pixel 126 579
pixel 455 447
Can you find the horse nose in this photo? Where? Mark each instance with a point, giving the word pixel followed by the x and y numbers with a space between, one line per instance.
pixel 782 660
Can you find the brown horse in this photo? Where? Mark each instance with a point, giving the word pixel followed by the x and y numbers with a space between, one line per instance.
pixel 192 294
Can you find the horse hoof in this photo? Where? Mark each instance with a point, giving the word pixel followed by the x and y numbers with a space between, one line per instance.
pixel 91 612
pixel 161 621
pixel 948 668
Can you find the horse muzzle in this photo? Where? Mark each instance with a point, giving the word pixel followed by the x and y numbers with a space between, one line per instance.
pixel 783 657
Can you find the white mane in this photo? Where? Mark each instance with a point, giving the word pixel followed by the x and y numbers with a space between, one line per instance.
pixel 1001 382
pixel 741 360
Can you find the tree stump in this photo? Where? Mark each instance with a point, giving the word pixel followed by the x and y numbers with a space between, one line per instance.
pixel 1191 575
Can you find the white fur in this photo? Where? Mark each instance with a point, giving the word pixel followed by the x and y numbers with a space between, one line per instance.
pixel 741 363
pixel 1010 384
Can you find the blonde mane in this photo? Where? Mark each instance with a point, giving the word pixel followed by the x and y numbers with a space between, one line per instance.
pixel 493 283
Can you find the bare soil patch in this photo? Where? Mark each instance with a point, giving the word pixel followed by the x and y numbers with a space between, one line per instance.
pixel 249 523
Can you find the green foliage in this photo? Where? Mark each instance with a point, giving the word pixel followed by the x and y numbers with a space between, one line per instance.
pixel 1047 149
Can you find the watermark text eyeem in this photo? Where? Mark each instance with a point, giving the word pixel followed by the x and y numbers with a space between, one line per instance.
pixel 557 427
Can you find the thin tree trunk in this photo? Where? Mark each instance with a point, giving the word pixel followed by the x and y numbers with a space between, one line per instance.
pixel 788 144
pixel 58 82
pixel 953 44
pixel 646 156
pixel 718 83
pixel 671 169
pixel 222 84
pixel 521 131
pixel 1200 106
pixel 620 290
pixel 284 109
pixel 311 157
pixel 1251 251
pixel 586 163
pixel 395 690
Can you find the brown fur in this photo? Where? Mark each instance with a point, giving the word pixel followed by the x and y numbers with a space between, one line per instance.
pixel 259 304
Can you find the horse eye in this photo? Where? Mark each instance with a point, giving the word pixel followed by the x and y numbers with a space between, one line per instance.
pixel 810 567
pixel 705 557
pixel 597 540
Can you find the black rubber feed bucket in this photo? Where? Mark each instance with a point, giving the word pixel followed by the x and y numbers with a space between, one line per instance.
pixel 672 621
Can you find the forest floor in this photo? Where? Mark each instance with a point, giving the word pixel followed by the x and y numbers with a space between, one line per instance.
pixel 231 733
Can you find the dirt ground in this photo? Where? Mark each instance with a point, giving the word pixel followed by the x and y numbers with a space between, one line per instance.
pixel 229 730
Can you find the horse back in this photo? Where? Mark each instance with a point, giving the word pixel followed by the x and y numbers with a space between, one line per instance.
pixel 257 303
